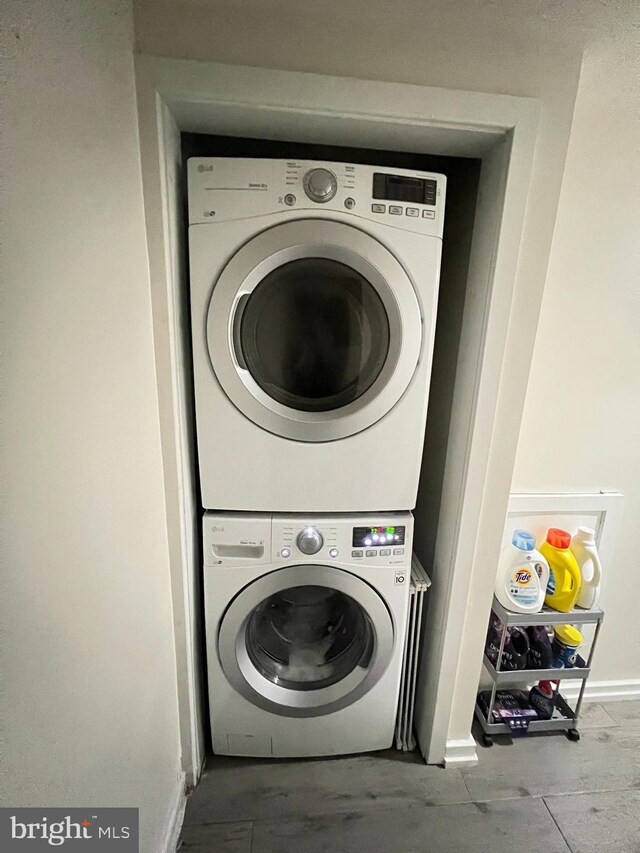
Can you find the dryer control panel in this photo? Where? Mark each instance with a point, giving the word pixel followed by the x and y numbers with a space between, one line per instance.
pixel 222 189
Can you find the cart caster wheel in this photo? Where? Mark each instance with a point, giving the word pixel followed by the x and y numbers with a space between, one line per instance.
pixel 487 741
pixel 573 734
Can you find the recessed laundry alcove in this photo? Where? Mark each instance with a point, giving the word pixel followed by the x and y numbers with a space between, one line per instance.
pixel 463 174
pixel 485 144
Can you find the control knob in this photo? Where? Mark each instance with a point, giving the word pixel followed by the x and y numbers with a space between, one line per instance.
pixel 309 540
pixel 320 185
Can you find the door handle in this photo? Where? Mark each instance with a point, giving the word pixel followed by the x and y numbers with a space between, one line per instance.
pixel 236 321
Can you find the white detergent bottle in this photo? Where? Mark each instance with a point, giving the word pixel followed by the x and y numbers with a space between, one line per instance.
pixel 583 548
pixel 523 575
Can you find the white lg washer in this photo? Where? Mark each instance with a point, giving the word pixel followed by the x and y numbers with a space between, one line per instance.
pixel 305 620
pixel 313 293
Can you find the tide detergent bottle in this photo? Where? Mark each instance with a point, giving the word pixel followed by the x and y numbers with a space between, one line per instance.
pixel 523 575
pixel 564 572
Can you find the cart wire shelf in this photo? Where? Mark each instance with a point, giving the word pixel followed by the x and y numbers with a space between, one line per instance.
pixel 564 717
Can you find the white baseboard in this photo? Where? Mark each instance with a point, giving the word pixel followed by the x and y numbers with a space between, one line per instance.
pixel 460 753
pixel 604 691
pixel 175 817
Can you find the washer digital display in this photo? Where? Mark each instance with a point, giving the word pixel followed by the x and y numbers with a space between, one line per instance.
pixel 372 537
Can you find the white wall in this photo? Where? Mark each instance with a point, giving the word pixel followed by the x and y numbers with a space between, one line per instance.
pixel 581 423
pixel 89 674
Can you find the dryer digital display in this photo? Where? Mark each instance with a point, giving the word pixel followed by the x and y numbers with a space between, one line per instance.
pixel 366 537
pixel 403 188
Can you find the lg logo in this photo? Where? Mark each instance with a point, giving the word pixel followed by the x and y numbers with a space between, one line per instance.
pixel 203 168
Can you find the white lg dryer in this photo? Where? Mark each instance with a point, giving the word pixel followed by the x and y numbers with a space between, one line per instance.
pixel 305 621
pixel 313 292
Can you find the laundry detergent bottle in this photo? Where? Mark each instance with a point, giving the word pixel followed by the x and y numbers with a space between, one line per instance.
pixel 583 548
pixel 564 572
pixel 523 575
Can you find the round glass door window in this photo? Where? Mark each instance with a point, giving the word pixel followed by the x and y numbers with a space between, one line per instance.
pixel 314 330
pixel 314 334
pixel 309 637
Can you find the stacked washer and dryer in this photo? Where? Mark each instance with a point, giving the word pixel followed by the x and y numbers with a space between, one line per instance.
pixel 313 293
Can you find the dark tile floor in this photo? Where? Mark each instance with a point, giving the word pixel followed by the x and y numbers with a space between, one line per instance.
pixel 540 793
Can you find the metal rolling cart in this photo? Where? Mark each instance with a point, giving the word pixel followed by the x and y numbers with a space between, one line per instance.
pixel 564 717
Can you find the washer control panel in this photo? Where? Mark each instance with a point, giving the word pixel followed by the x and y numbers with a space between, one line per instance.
pixel 295 538
pixel 380 540
pixel 242 539
pixel 222 189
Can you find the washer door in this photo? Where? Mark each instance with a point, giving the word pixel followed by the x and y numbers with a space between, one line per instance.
pixel 305 640
pixel 314 330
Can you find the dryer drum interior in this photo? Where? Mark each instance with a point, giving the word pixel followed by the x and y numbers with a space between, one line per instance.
pixel 332 334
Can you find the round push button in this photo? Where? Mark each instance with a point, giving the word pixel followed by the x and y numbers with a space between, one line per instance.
pixel 349 203
pixel 290 199
pixel 333 552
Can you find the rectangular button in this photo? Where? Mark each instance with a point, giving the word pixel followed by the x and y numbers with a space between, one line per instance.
pixel 428 214
pixel 378 208
pixel 412 211
pixel 356 553
pixel 398 551
pixel 395 210
pixel 372 553
pixel 385 552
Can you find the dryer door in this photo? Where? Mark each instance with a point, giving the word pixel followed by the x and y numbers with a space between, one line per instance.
pixel 314 330
pixel 305 640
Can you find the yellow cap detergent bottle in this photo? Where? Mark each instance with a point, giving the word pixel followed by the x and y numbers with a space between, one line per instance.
pixel 564 572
